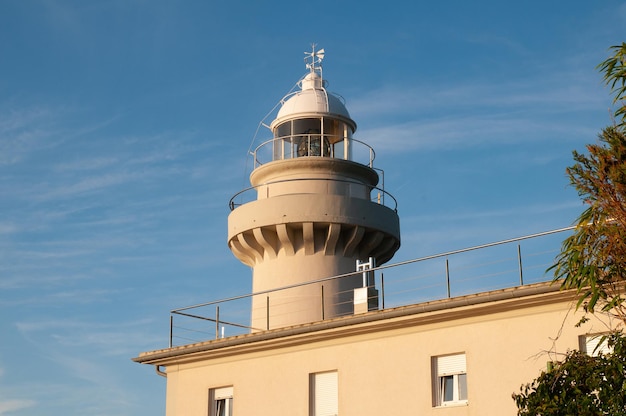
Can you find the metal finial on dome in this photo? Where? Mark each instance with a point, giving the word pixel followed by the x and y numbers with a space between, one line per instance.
pixel 315 58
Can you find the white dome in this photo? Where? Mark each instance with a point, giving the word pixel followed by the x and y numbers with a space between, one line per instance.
pixel 313 99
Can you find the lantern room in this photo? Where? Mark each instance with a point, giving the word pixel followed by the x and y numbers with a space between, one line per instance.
pixel 312 121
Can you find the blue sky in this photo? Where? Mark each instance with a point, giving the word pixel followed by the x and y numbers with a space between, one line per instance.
pixel 124 130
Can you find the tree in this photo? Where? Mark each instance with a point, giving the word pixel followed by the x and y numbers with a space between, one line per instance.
pixel 579 385
pixel 593 262
pixel 614 69
pixel 593 259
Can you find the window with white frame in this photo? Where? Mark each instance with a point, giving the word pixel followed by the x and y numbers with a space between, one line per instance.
pixel 450 380
pixel 594 344
pixel 221 401
pixel 324 397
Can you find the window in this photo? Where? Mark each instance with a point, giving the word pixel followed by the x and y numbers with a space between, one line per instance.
pixel 324 399
pixel 450 380
pixel 594 344
pixel 221 401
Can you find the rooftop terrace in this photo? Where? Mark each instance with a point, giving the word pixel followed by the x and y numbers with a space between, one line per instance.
pixel 515 262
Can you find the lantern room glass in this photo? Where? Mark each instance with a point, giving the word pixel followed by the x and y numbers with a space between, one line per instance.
pixel 319 136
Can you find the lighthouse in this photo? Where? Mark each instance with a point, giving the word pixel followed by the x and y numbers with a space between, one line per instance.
pixel 318 212
pixel 314 226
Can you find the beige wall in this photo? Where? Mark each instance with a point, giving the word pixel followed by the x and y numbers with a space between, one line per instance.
pixel 384 365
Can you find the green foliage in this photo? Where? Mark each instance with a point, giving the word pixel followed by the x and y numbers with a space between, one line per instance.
pixel 579 385
pixel 593 262
pixel 593 258
pixel 614 69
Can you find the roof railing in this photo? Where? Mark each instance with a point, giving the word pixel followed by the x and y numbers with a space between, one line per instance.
pixel 464 275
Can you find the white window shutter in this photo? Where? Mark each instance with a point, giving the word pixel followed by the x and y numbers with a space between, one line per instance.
pixel 325 396
pixel 592 342
pixel 223 393
pixel 451 364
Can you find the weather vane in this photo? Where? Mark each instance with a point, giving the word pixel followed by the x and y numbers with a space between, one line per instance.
pixel 315 58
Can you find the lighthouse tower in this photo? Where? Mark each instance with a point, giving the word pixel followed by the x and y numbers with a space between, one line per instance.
pixel 318 212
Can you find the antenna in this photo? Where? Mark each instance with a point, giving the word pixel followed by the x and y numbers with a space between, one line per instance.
pixel 315 58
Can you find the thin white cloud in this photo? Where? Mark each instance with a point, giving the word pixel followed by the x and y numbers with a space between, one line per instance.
pixel 116 338
pixel 74 297
pixel 496 40
pixel 467 131
pixel 467 216
pixel 129 162
pixel 27 130
pixel 8 228
pixel 58 253
pixel 13 405
pixel 564 94
pixel 20 277
pixel 73 324
pixel 17 120
pixel 9 405
pixel 86 164
pixel 397 118
pixel 92 183
pixel 94 372
pixel 22 132
pixel 63 18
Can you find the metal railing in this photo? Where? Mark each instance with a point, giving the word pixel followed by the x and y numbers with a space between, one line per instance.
pixel 498 265
pixel 377 195
pixel 313 145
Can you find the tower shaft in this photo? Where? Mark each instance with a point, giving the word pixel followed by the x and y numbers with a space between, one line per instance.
pixel 313 217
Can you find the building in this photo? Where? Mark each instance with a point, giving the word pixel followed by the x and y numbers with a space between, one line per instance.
pixel 319 342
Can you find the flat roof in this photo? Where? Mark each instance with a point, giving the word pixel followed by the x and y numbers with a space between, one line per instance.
pixel 379 320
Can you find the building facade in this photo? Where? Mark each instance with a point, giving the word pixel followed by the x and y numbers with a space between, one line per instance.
pixel 318 343
pixel 459 356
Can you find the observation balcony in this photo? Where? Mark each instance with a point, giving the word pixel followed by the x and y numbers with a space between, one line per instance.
pixel 315 147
